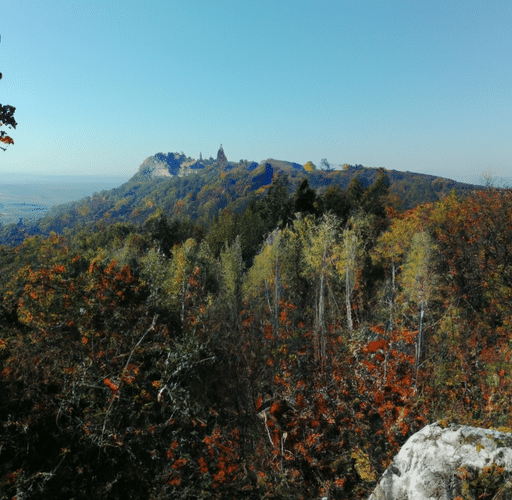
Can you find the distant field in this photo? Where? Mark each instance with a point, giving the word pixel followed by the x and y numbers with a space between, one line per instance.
pixel 29 197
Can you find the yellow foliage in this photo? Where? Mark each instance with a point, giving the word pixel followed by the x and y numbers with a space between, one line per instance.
pixel 309 166
pixel 261 274
pixel 363 465
pixel 120 204
pixel 83 210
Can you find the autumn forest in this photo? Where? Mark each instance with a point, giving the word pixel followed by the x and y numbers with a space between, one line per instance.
pixel 282 351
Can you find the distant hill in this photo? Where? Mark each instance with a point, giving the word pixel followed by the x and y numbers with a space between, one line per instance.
pixel 188 189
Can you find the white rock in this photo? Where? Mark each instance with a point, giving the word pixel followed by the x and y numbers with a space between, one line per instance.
pixel 426 466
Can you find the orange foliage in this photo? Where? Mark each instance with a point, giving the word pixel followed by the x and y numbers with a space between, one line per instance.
pixel 110 384
pixel 375 345
pixel 6 139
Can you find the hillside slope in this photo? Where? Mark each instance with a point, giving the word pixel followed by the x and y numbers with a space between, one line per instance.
pixel 187 189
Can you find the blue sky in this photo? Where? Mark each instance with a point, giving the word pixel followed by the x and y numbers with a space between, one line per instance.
pixel 418 85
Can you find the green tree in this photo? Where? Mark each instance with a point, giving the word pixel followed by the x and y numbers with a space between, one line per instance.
pixel 354 193
pixel 276 208
pixel 373 198
pixel 389 252
pixel 224 229
pixel 251 230
pixel 335 201
pixel 318 261
pixel 418 282
pixel 232 266
pixel 263 278
pixel 305 199
pixel 228 225
pixel 352 252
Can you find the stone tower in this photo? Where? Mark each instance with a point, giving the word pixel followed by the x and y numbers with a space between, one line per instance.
pixel 221 157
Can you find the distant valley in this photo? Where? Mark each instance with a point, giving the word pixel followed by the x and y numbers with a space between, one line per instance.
pixel 29 197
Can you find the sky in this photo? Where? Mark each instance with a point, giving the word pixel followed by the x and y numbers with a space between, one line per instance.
pixel 413 85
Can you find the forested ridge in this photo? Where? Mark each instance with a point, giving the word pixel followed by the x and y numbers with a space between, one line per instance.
pixel 189 190
pixel 283 350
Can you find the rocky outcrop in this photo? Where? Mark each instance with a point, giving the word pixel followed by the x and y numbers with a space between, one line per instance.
pixel 168 165
pixel 445 463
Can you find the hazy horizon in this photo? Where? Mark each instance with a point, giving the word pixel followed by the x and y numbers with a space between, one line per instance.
pixel 45 177
pixel 30 196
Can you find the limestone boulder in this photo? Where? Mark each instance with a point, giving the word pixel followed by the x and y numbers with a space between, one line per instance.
pixel 446 463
